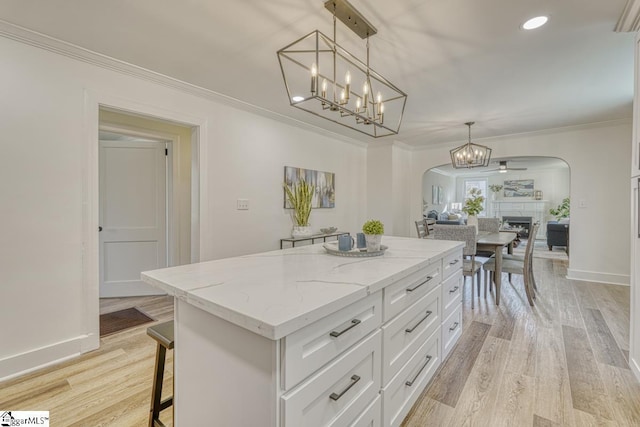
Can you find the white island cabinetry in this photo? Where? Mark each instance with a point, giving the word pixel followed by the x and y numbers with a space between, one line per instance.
pixel 299 337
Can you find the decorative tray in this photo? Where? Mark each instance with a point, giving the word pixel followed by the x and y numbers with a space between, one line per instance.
pixel 332 248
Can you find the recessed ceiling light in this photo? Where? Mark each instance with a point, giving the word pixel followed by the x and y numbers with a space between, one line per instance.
pixel 297 98
pixel 536 22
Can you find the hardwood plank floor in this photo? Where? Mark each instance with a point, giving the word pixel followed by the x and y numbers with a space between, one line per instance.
pixel 562 362
pixel 555 364
pixel 110 386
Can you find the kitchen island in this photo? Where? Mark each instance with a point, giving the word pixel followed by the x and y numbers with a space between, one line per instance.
pixel 298 337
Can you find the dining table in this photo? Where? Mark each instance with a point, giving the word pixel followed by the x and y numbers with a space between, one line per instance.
pixel 496 242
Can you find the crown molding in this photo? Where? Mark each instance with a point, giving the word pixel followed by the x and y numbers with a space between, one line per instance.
pixel 69 50
pixel 630 19
pixel 550 131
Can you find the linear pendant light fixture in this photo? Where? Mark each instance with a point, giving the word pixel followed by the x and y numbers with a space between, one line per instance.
pixel 470 155
pixel 324 79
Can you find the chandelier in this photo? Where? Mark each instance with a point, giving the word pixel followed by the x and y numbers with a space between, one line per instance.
pixel 324 79
pixel 470 155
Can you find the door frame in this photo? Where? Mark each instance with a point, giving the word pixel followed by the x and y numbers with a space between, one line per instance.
pixel 200 222
pixel 173 196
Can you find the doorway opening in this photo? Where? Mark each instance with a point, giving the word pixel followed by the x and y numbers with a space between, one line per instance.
pixel 145 206
pixel 525 186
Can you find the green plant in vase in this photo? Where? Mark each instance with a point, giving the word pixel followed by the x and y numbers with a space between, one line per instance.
pixel 299 196
pixel 373 230
pixel 495 189
pixel 562 210
pixel 473 206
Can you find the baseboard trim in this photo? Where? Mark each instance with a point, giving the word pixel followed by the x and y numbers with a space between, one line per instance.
pixel 23 363
pixel 594 276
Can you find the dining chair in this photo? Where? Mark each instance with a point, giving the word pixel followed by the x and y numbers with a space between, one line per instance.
pixel 514 264
pixel 430 222
pixel 421 228
pixel 467 234
pixel 491 225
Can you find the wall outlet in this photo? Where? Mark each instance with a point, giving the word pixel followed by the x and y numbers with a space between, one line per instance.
pixel 243 205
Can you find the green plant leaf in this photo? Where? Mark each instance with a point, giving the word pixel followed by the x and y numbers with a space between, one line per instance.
pixel 299 196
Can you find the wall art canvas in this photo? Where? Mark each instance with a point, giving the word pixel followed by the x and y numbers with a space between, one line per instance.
pixel 324 182
pixel 441 194
pixel 518 188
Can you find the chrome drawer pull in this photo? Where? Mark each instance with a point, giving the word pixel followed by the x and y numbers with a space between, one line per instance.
pixel 354 322
pixel 410 383
pixel 455 288
pixel 409 330
pixel 354 380
pixel 454 262
pixel 417 286
pixel 453 328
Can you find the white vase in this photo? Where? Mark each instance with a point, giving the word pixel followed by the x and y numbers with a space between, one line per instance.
pixel 473 220
pixel 301 231
pixel 373 242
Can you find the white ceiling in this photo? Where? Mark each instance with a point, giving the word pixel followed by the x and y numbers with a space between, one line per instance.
pixel 458 60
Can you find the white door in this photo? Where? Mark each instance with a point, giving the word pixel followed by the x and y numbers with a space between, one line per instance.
pixel 133 215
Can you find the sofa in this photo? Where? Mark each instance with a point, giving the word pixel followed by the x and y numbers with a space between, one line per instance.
pixel 557 234
pixel 445 218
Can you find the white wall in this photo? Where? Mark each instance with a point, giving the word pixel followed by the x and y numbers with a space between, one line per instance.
pixel 598 157
pixel 380 185
pixel 401 190
pixel 388 186
pixel 47 121
pixel 448 185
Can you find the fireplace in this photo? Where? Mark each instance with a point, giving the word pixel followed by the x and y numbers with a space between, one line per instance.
pixel 520 221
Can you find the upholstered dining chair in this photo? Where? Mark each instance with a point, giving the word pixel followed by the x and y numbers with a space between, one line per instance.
pixel 467 234
pixel 514 264
pixel 492 225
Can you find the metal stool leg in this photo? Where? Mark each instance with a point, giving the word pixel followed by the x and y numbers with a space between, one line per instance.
pixel 156 392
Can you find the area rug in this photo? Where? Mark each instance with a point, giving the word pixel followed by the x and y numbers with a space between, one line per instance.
pixel 541 250
pixel 123 319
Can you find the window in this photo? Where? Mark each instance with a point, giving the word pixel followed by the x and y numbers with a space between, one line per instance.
pixel 480 183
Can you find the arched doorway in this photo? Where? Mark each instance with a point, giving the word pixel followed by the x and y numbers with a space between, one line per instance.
pixel 527 186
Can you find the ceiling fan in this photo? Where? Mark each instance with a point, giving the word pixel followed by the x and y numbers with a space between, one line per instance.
pixel 503 168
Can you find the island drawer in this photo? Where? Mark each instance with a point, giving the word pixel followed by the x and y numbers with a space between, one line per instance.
pixel 451 330
pixel 452 293
pixel 372 416
pixel 403 335
pixel 404 389
pixel 308 349
pixel 451 263
pixel 338 393
pixel 408 290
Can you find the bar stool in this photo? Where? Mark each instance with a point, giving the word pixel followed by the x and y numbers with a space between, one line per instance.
pixel 163 334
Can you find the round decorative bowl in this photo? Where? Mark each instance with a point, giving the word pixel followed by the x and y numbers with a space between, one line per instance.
pixel 328 230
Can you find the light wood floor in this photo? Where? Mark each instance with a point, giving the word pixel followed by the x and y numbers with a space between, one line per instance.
pixel 560 363
pixel 107 387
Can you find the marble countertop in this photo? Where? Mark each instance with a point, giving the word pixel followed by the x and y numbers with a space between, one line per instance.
pixel 276 293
